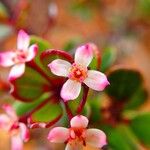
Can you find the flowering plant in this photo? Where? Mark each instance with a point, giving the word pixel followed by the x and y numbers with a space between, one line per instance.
pixel 48 85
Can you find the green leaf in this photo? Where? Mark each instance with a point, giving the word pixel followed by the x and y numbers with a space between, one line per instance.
pixel 47 113
pixel 115 139
pixel 108 58
pixel 121 138
pixel 42 46
pixel 74 104
pixel 138 98
pixel 93 64
pixel 123 83
pixel 72 44
pixel 95 104
pixel 129 136
pixel 86 110
pixel 140 126
pixel 24 108
pixel 30 86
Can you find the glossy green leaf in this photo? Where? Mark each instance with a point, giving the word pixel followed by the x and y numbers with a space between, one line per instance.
pixel 123 83
pixel 23 108
pixel 138 98
pixel 108 58
pixel 140 126
pixel 47 113
pixel 129 136
pixel 115 140
pixel 95 101
pixel 74 104
pixel 121 138
pixel 72 44
pixel 93 64
pixel 86 110
pixel 30 86
pixel 42 46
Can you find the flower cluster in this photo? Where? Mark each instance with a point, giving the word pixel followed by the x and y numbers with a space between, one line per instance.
pixel 78 73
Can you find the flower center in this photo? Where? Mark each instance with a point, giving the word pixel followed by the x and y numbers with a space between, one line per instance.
pixel 20 56
pixel 78 72
pixel 77 134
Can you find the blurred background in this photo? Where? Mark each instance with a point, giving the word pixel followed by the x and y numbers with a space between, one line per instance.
pixel 123 25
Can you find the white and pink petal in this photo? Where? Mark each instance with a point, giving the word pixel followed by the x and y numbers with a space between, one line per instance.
pixel 16 142
pixel 16 71
pixel 84 55
pixel 60 67
pixel 70 90
pixel 10 112
pixel 96 80
pixel 23 40
pixel 58 135
pixel 95 138
pixel 79 121
pixel 32 51
pixel 7 58
pixel 5 122
pixel 24 132
pixel 74 145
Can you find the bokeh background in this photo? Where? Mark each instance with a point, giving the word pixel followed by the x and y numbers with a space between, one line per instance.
pixel 121 24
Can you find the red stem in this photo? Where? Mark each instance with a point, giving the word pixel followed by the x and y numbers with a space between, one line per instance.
pixel 68 111
pixel 53 121
pixel 52 52
pixel 83 101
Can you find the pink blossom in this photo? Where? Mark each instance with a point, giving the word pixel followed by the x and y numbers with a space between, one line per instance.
pixel 17 130
pixel 78 73
pixel 78 136
pixel 17 58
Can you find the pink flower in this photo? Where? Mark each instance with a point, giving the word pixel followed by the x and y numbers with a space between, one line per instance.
pixel 78 73
pixel 77 136
pixel 18 57
pixel 17 130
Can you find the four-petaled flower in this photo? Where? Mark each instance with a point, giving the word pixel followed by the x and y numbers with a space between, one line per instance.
pixel 17 130
pixel 78 136
pixel 78 73
pixel 17 58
